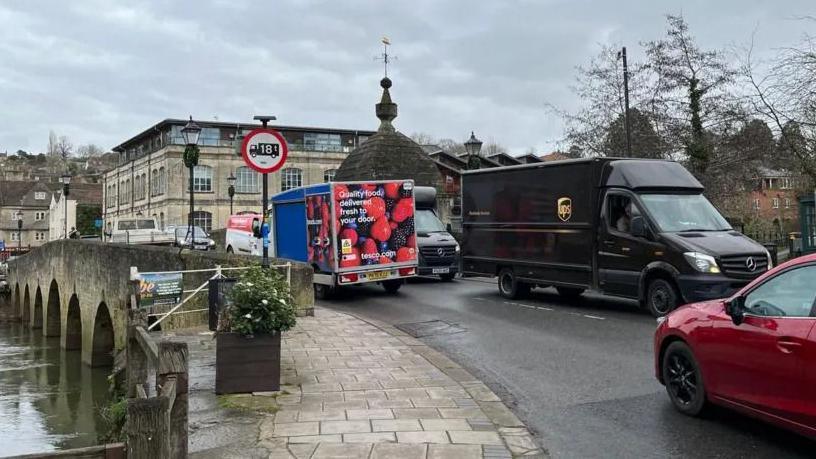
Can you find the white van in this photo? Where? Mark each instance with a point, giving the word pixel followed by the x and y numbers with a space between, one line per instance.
pixel 242 234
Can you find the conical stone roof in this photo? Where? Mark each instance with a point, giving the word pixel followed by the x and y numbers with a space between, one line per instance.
pixel 389 154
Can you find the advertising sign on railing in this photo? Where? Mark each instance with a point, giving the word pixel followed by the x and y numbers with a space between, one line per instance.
pixel 162 288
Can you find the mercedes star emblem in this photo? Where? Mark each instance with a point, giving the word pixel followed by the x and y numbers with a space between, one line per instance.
pixel 440 251
pixel 750 264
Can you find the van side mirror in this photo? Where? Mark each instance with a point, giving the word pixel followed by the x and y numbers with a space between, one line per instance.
pixel 638 227
pixel 449 228
pixel 256 228
pixel 736 309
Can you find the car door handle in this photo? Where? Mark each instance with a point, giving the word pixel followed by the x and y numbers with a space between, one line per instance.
pixel 788 345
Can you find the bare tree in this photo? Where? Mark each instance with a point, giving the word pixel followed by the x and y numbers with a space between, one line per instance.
pixel 52 144
pixel 90 150
pixel 64 147
pixel 423 138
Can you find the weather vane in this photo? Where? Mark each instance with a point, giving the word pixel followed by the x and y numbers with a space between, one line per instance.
pixel 385 57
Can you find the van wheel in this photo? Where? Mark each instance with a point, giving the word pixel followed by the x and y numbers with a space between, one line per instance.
pixel 683 379
pixel 324 292
pixel 392 286
pixel 661 297
pixel 447 277
pixel 510 287
pixel 229 249
pixel 569 292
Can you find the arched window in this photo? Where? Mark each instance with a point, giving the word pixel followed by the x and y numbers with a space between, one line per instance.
pixel 328 175
pixel 136 183
pixel 291 177
pixel 246 180
pixel 143 189
pixel 162 181
pixel 161 220
pixel 202 178
pixel 203 220
pixel 154 183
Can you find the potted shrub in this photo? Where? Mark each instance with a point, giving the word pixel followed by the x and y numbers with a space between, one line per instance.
pixel 248 341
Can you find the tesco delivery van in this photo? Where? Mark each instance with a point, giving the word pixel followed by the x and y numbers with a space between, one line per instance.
pixel 350 233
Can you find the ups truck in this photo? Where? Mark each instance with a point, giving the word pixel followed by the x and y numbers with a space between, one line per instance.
pixel 638 229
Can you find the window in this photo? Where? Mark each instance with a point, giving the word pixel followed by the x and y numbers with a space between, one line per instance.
pixel 291 178
pixel 38 236
pixel 202 178
pixel 786 183
pixel 789 294
pixel 162 181
pixel 15 236
pixel 787 203
pixel 775 203
pixel 322 142
pixel 143 189
pixel 246 180
pixel 329 174
pixel 154 183
pixel 203 220
pixel 39 216
pixel 161 220
pixel 619 212
pixel 756 204
pixel 39 195
pixel 137 184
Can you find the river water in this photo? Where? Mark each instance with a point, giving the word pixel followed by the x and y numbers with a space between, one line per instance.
pixel 48 397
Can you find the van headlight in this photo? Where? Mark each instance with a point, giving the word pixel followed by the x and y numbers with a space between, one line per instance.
pixel 702 262
pixel 457 249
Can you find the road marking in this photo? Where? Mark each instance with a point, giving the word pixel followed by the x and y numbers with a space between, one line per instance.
pixel 479 299
pixel 544 309
pixel 593 317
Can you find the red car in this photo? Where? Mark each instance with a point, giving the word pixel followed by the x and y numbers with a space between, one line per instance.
pixel 754 352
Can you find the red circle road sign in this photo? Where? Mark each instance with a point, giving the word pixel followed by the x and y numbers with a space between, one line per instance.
pixel 264 150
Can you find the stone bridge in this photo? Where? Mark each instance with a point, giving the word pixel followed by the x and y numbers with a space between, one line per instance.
pixel 80 290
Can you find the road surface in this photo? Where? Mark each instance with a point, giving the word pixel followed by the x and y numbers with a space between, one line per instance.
pixel 579 373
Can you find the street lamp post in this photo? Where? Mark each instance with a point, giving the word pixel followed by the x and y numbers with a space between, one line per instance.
pixel 231 190
pixel 191 132
pixel 19 232
pixel 473 147
pixel 66 181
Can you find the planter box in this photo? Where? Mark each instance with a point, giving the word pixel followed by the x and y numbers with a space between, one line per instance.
pixel 245 364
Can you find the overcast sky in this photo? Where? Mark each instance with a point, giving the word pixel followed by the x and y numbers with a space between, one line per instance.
pixel 101 71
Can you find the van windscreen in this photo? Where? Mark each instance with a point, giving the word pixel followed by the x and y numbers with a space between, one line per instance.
pixel 675 213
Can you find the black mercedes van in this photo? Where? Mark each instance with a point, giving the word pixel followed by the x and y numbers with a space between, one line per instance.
pixel 632 228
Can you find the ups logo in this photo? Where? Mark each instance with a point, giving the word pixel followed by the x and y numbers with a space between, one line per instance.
pixel 564 209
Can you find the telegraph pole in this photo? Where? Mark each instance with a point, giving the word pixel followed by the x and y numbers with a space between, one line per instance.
pixel 626 103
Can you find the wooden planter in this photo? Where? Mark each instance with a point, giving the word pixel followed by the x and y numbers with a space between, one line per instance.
pixel 247 364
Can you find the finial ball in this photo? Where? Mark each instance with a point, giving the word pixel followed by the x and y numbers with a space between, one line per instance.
pixel 385 83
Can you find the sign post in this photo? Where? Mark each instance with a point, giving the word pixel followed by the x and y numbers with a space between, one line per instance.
pixel 265 151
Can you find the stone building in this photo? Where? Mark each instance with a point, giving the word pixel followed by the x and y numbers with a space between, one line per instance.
pixel 151 180
pixel 389 154
pixel 33 199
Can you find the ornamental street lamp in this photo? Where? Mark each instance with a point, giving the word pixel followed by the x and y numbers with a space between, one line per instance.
pixel 473 146
pixel 66 182
pixel 231 190
pixel 191 133
pixel 19 232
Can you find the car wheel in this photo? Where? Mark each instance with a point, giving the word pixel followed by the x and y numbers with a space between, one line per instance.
pixel 447 277
pixel 569 292
pixel 392 286
pixel 510 287
pixel 683 379
pixel 661 297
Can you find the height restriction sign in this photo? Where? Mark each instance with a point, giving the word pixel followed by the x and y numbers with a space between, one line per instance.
pixel 264 150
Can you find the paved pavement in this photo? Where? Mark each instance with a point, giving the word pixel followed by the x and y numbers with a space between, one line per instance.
pixel 352 389
pixel 578 373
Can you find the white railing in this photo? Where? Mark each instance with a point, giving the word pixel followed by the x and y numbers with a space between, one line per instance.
pixel 135 275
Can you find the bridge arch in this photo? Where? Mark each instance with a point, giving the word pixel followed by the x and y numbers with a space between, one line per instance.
pixel 26 312
pixel 52 311
pixel 103 339
pixel 37 318
pixel 73 326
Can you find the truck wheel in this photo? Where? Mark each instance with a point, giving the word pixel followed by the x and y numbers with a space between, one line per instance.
pixel 510 287
pixel 569 292
pixel 392 286
pixel 447 277
pixel 661 297
pixel 324 292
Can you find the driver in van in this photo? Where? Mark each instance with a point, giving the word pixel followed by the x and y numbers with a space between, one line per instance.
pixel 625 219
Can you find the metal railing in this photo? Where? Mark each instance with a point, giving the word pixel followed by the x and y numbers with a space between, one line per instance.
pixel 218 274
